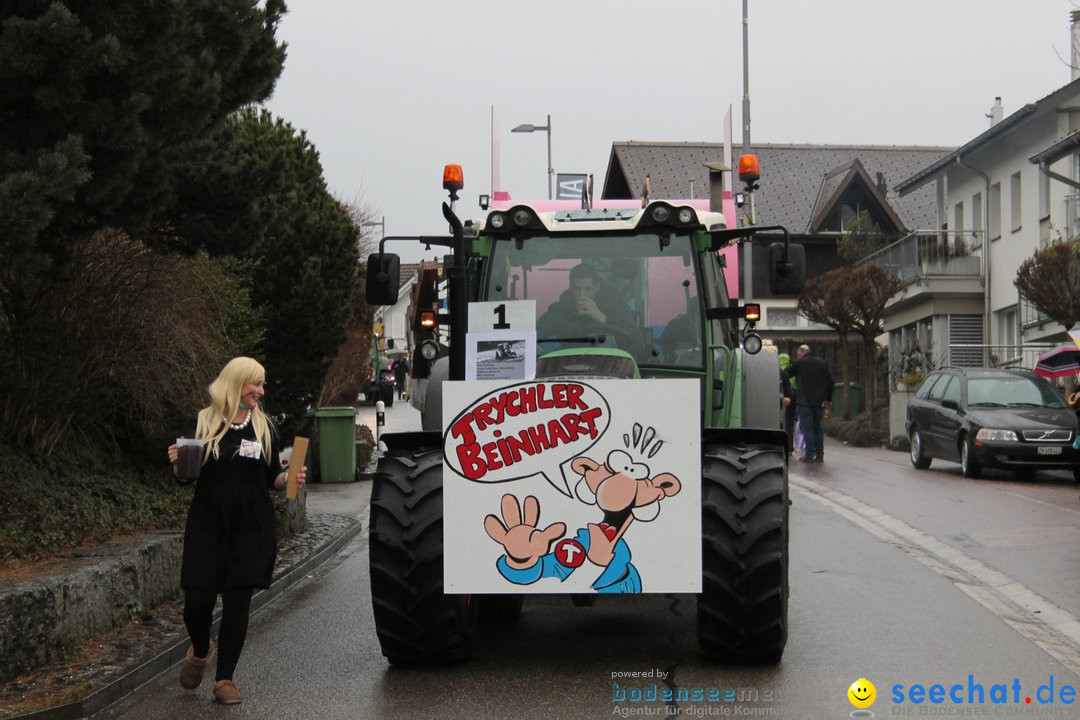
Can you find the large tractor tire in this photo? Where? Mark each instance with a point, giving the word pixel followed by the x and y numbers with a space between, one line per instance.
pixel 742 610
pixel 416 623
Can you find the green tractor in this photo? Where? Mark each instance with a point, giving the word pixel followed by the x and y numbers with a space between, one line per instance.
pixel 666 315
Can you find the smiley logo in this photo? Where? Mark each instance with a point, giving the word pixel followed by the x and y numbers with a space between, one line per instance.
pixel 862 693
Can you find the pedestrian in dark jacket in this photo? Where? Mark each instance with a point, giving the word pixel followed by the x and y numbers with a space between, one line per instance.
pixel 813 394
pixel 401 371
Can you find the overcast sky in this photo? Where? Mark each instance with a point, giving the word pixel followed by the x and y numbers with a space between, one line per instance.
pixel 391 90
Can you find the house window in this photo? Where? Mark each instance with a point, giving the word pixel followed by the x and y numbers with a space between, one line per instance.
pixel 1014 201
pixel 1007 335
pixel 994 200
pixel 781 317
pixel 958 219
pixel 977 215
pixel 1044 195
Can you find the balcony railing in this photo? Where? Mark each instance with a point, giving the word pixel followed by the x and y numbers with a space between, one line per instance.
pixel 1030 316
pixel 1009 356
pixel 931 253
pixel 1072 217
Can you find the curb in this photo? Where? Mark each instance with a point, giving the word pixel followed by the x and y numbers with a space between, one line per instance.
pixel 174 652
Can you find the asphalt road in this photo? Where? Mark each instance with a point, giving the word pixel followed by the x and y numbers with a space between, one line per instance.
pixel 898 576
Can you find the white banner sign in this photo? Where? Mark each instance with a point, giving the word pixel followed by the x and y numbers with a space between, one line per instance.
pixel 572 487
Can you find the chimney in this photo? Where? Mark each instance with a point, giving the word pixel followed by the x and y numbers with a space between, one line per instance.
pixel 1074 37
pixel 881 186
pixel 997 112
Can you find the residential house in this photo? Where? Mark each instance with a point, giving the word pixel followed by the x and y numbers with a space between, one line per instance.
pixel 998 198
pixel 395 319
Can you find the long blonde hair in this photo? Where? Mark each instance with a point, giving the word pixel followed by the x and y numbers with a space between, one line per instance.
pixel 214 420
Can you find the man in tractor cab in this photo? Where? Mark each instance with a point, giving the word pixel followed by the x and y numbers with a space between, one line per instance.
pixel 582 309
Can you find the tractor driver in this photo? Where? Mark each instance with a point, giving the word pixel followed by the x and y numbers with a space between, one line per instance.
pixel 582 309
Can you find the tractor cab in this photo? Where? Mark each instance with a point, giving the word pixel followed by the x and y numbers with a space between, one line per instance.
pixel 637 294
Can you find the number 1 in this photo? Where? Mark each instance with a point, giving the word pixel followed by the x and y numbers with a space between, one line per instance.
pixel 500 310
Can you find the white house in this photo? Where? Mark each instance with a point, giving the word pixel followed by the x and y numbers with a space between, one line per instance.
pixel 394 318
pixel 999 198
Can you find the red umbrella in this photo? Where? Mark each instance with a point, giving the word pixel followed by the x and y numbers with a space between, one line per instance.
pixel 1059 362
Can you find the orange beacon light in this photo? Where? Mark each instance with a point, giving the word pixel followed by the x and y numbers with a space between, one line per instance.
pixel 749 169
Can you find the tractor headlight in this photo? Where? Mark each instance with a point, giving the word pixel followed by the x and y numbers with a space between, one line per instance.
pixel 522 218
pixel 497 220
pixel 686 216
pixel 661 213
pixel 429 349
pixel 752 343
pixel 995 435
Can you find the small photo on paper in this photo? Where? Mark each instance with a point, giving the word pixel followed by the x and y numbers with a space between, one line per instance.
pixel 501 356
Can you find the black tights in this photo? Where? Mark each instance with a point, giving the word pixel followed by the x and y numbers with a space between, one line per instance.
pixel 199 616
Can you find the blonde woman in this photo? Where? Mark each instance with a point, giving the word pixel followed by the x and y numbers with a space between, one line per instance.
pixel 230 542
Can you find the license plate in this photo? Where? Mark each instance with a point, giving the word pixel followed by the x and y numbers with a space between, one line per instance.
pixel 1049 450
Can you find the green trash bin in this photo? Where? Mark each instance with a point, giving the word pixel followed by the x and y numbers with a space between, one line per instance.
pixel 337 443
pixel 853 399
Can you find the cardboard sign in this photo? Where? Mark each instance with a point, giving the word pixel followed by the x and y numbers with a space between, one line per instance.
pixel 561 486
pixel 297 461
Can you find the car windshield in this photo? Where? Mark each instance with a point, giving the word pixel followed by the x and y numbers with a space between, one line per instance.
pixel 1012 391
pixel 632 292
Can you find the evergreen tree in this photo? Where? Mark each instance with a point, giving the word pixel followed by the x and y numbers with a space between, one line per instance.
pixel 101 108
pixel 263 197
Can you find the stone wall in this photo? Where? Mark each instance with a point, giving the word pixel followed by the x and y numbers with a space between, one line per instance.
pixel 81 593
pixel 53 607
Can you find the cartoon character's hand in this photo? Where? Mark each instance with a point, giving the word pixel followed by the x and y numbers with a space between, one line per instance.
pixel 524 544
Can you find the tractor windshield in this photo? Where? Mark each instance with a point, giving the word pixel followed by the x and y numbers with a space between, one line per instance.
pixel 630 292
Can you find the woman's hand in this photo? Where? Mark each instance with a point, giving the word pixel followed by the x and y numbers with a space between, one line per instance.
pixel 174 459
pixel 301 479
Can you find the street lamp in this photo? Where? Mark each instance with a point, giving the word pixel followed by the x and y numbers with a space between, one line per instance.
pixel 527 128
pixel 381 224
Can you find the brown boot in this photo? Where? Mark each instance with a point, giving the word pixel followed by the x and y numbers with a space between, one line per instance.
pixel 226 693
pixel 192 672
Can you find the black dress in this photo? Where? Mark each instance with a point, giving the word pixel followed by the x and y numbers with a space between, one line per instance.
pixel 230 539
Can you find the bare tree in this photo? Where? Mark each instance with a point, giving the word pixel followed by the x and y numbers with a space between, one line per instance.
pixel 824 301
pixel 350 367
pixel 1050 280
pixel 869 289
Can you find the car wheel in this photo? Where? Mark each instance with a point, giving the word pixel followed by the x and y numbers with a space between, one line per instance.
pixel 919 458
pixel 969 466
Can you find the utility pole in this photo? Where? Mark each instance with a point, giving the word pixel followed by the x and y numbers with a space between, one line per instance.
pixel 748 246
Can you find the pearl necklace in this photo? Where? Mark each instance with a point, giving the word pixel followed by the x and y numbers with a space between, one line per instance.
pixel 241 426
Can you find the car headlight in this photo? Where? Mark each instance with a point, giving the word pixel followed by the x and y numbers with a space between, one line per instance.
pixel 992 435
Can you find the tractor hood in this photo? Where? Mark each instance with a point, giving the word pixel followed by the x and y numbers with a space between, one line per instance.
pixel 586 364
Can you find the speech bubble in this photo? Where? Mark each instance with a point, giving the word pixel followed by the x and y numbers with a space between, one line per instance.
pixel 527 429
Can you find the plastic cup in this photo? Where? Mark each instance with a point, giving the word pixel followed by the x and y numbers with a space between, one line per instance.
pixel 190 451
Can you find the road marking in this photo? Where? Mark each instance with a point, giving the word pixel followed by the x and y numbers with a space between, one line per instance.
pixel 1054 629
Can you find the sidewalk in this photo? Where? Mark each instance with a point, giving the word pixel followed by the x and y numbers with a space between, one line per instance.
pixel 401 417
pixel 158 644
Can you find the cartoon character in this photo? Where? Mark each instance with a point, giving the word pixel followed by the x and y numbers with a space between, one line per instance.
pixel 623 489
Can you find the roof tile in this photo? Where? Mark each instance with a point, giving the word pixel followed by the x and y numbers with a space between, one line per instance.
pixel 792 175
